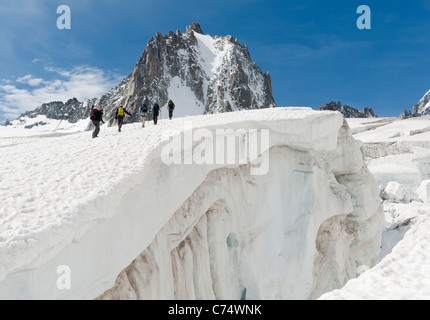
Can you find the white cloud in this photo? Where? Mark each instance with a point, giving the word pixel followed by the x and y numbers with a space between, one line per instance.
pixel 35 82
pixel 29 92
pixel 28 79
pixel 24 79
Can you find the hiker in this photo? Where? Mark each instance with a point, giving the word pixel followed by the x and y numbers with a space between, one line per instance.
pixel 143 111
pixel 96 117
pixel 120 114
pixel 170 107
pixel 155 112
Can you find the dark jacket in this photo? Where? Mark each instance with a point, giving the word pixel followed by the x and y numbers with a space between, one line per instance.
pixel 171 105
pixel 155 109
pixel 98 115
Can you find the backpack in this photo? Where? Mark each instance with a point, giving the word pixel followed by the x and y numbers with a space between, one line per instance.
pixel 94 114
pixel 171 105
pixel 120 112
pixel 155 108
pixel 143 109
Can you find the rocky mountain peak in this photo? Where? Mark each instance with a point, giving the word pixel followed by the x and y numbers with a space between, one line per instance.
pixel 72 101
pixel 194 27
pixel 202 74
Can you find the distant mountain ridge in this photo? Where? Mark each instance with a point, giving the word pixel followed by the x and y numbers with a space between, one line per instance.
pixel 348 112
pixel 201 73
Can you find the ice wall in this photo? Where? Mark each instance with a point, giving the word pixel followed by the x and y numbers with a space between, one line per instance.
pixel 303 227
pixel 310 224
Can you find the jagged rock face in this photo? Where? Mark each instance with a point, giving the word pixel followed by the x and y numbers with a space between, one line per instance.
pixel 422 108
pixel 214 74
pixel 72 110
pixel 218 71
pixel 111 100
pixel 348 112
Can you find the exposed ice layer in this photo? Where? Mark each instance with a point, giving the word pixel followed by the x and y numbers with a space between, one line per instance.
pixel 398 155
pixel 407 276
pixel 311 232
pixel 198 231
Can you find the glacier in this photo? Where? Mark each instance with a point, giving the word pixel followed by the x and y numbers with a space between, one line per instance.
pixel 126 225
pixel 397 154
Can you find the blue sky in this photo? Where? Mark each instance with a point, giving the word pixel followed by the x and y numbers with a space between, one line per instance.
pixel 313 49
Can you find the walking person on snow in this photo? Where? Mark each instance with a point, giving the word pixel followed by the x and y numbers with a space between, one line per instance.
pixel 120 114
pixel 170 107
pixel 143 111
pixel 96 117
pixel 155 112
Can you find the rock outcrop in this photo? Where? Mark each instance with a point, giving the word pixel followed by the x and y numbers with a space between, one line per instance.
pixel 348 112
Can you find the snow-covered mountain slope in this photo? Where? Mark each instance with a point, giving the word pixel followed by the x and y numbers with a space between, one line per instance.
pixel 422 108
pixel 398 156
pixel 157 213
pixel 202 74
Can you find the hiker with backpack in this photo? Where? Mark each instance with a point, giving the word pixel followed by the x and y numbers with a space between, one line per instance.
pixel 170 107
pixel 96 117
pixel 120 115
pixel 155 112
pixel 143 111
